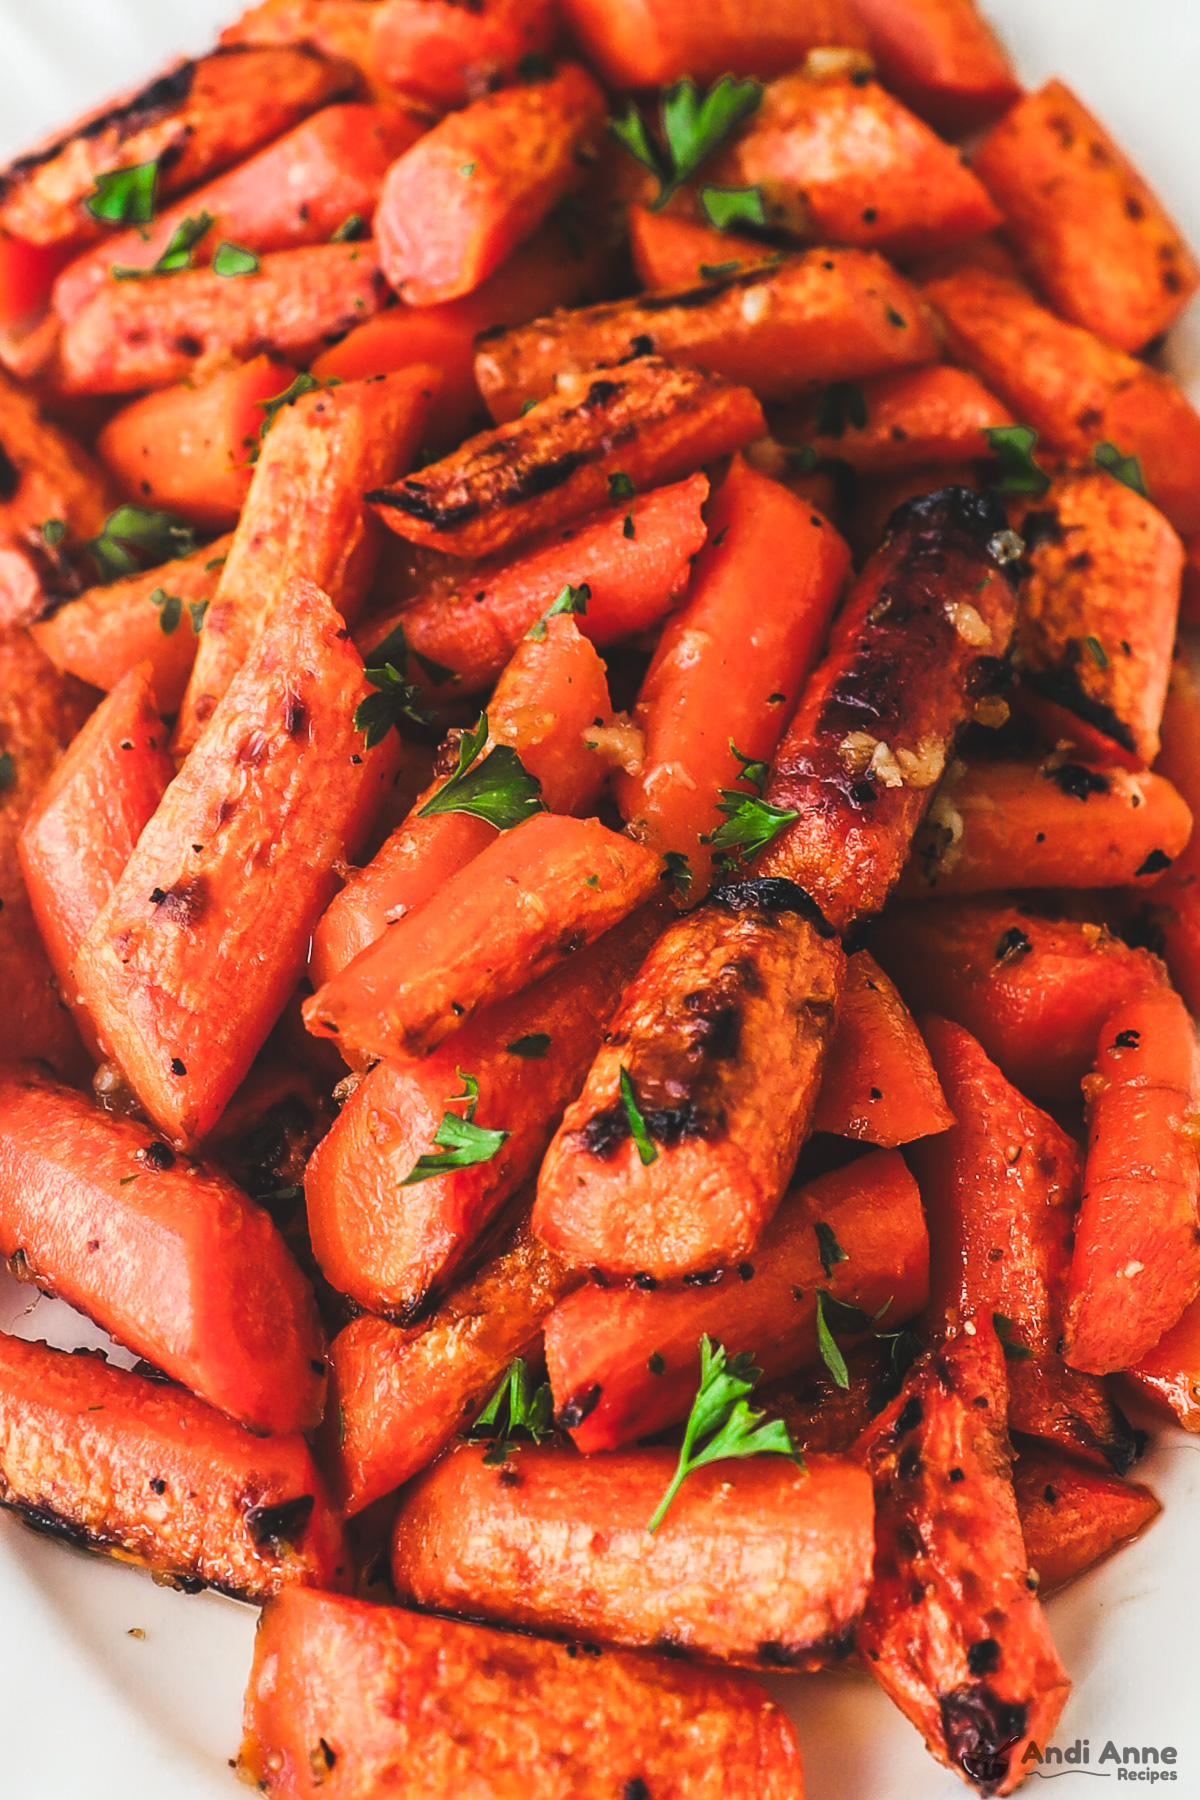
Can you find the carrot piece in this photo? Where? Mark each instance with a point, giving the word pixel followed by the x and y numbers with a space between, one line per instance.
pixel 1058 824
pixel 1033 989
pixel 1092 232
pixel 1072 1516
pixel 839 159
pixel 169 1258
pixel 456 203
pixel 1136 1265
pixel 782 328
pixel 532 898
pixel 114 1462
pixel 650 422
pixel 942 57
pixel 141 334
pixel 195 119
pixel 729 671
pixel 162 970
pixel 1075 390
pixel 449 54
pixel 915 416
pixel 463 1529
pixel 1169 919
pixel 187 448
pixel 879 1085
pixel 411 1706
pixel 1099 603
pixel 1169 1374
pixel 299 190
pixel 27 274
pixel 304 518
pixel 624 1363
pixel 670 252
pixel 111 629
pixel 950 1570
pixel 472 622
pixel 647 43
pixel 337 28
pixel 1000 1190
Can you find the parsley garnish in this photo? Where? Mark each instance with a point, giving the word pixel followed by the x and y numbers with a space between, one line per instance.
pixel 170 609
pixel 303 384
pixel 8 772
pixel 619 488
pixel 692 129
pixel 569 600
pixel 646 1148
pixel 752 770
pixel 160 535
pixel 125 196
pixel 232 259
pixel 1014 1351
pixel 679 870
pixel 397 698
pixel 828 1248
pixel 750 823
pixel 1013 446
pixel 350 230
pixel 838 1315
pixel 831 1356
pixel 53 533
pixel 1125 469
pixel 197 608
pixel 1099 654
pixel 534 1045
pixel 721 1425
pixel 461 1142
pixel 515 1409
pixel 841 403
pixel 499 789
pixel 724 207
pixel 177 255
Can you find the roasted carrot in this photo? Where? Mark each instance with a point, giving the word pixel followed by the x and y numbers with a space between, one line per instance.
pixel 624 1361
pixel 1136 1265
pixel 1099 604
pixel 879 1084
pixel 275 794
pixel 142 334
pixel 647 43
pixel 942 57
pixel 953 1631
pixel 1169 1374
pixel 468 1539
pixel 472 622
pixel 27 275
pixel 1054 824
pixel 109 1460
pixel 463 197
pixel 339 29
pixel 877 497
pixel 168 1257
pixel 1075 390
pixel 1169 918
pixel 839 159
pixel 421 1707
pixel 1033 988
pixel 111 629
pixel 1092 232
pixel 1072 1516
pixel 304 518
pixel 197 118
pixel 914 417
pixel 782 328
pixel 449 54
pixel 672 252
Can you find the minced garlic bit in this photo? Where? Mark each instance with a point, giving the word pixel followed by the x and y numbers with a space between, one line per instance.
pixel 623 744
pixel 942 849
pixel 756 304
pixel 1132 1268
pixel 861 754
pixel 923 766
pixel 837 62
pixel 968 623
pixel 969 1328
pixel 991 712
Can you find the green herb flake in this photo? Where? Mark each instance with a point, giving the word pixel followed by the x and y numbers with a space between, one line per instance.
pixel 341 1428
pixel 714 271
pixel 896 319
pixel 533 66
pixel 1099 655
pixel 627 530
pixel 1014 1351
pixel 466 170
pixel 157 537
pixel 828 1248
pixel 750 823
pixel 693 128
pixel 533 1046
pixel 233 259
pixel 197 608
pixel 752 770
pixel 619 488
pixel 459 1140
pixel 842 403
pixel 499 789
pixel 170 610
pixel 296 390
pixel 53 533
pixel 125 196
pixel 831 1356
pixel 517 1411
pixel 568 600
pixel 125 1180
pixel 395 698
pixel 679 872
pixel 176 257
pixel 527 406
pixel 8 771
pixel 1125 469
pixel 726 207
pixel 646 1148
pixel 350 230
pixel 1013 447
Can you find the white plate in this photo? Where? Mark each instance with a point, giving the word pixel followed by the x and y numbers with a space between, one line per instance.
pixel 88 1712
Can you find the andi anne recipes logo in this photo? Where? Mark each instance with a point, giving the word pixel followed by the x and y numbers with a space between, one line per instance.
pixel 1127 1762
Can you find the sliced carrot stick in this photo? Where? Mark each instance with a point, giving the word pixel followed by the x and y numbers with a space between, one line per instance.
pixel 304 518
pixel 951 1568
pixel 1072 1516
pixel 337 28
pixel 1136 1265
pixel 913 417
pixel 449 54
pixel 879 1085
pixel 647 43
pixel 112 1461
pixel 728 670
pixel 110 630
pixel 942 57
pixel 465 1529
pixel 233 871
pixel 1075 390
pixel 650 422
pixel 1170 917
pixel 172 1260
pixel 1058 824
pixel 473 624
pixel 624 1363
pixel 410 1706
pixel 670 252
pixel 1032 988
pixel 140 334
pixel 1092 232
pixel 782 328
pixel 462 198
pixel 1169 1374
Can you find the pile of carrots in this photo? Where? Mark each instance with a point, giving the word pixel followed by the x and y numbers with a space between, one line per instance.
pixel 599 900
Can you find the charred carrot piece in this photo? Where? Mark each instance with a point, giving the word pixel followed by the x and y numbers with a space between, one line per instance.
pixel 1056 824
pixel 111 629
pixel 102 1211
pixel 304 518
pixel 624 1362
pixel 162 970
pixel 1169 919
pixel 1001 1189
pixel 1093 233
pixel 143 334
pixel 1032 988
pixel 942 57
pixel 645 43
pixel 1075 390
pixel 471 623
pixel 728 671
pixel 448 55
pixel 464 1529
pixel 112 1461
pixel 650 422
pixel 879 1084
pixel 781 328
pixel 1072 1516
pixel 915 417
pixel 197 118
pixel 1169 1374
pixel 671 252
pixel 1136 1265
pixel 362 1680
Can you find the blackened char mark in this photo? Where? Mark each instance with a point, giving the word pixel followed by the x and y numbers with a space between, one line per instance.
pixel 981 1731
pixel 772 894
pixel 413 498
pixel 1078 782
pixel 10 475
pixel 577 1408
pixel 1038 528
pixel 667 1125
pixel 1062 685
pixel 145 108
pixel 689 299
pixel 280 1527
pixel 834 1647
pixel 951 518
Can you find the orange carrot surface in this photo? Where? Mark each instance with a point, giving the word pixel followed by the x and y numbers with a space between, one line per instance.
pixel 879 1085
pixel 647 43
pixel 1169 918
pixel 447 53
pixel 916 417
pixel 942 57
pixel 1072 1516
